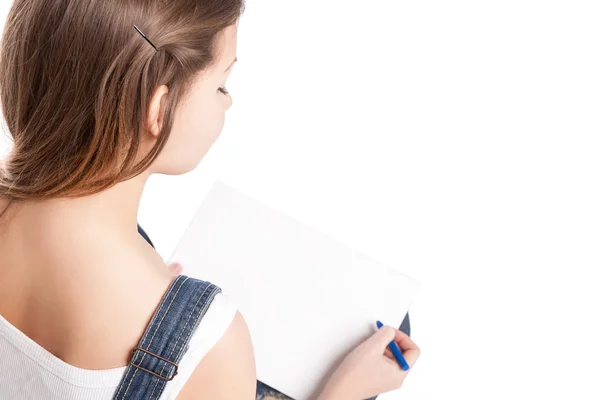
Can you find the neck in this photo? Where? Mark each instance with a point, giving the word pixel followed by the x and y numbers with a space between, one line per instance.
pixel 115 208
pixel 66 226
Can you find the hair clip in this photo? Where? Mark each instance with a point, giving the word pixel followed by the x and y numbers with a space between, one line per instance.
pixel 144 36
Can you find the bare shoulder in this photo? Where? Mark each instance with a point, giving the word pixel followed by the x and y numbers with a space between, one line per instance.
pixel 228 371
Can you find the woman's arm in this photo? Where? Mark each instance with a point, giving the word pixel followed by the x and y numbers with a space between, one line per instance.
pixel 228 371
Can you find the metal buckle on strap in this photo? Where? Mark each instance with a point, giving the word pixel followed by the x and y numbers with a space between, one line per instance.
pixel 152 372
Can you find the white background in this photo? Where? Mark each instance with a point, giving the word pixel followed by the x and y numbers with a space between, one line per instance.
pixel 457 141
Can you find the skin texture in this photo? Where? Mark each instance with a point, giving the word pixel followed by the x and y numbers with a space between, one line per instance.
pixel 57 294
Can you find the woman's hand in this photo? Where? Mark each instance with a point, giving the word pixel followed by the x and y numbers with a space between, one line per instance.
pixel 371 369
pixel 175 268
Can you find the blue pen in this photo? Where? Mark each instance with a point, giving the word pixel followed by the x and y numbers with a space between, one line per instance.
pixel 396 351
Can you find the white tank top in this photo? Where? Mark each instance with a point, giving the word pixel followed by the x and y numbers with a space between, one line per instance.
pixel 28 371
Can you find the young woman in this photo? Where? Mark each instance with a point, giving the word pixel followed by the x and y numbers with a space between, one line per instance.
pixel 98 95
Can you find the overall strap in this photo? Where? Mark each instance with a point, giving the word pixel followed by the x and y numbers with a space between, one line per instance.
pixel 166 339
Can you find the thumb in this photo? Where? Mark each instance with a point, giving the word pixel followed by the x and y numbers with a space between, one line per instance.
pixel 383 337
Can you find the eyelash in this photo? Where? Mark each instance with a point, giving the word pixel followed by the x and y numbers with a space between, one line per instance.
pixel 223 90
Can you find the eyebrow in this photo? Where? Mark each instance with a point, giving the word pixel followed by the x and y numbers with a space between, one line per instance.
pixel 231 65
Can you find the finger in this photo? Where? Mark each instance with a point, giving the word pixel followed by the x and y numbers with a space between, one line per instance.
pixel 404 341
pixel 388 353
pixel 409 355
pixel 408 347
pixel 176 268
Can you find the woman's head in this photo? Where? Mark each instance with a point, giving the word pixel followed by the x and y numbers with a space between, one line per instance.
pixel 89 102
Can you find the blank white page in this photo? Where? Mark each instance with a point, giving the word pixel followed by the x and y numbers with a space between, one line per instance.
pixel 307 298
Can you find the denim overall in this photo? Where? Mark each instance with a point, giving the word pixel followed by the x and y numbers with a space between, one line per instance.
pixel 154 361
pixel 166 339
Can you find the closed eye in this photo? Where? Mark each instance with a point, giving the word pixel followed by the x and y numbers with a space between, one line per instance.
pixel 223 90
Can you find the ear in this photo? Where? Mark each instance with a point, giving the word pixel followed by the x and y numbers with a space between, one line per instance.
pixel 156 110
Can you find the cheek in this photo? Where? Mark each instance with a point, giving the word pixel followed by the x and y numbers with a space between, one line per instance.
pixel 194 132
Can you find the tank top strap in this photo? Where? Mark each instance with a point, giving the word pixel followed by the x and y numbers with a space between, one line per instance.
pixel 154 361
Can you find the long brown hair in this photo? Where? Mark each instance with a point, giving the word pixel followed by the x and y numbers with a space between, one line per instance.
pixel 76 79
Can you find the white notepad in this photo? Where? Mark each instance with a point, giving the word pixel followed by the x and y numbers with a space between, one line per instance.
pixel 307 298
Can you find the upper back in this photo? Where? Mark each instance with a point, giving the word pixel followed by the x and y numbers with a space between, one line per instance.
pixel 219 364
pixel 56 340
